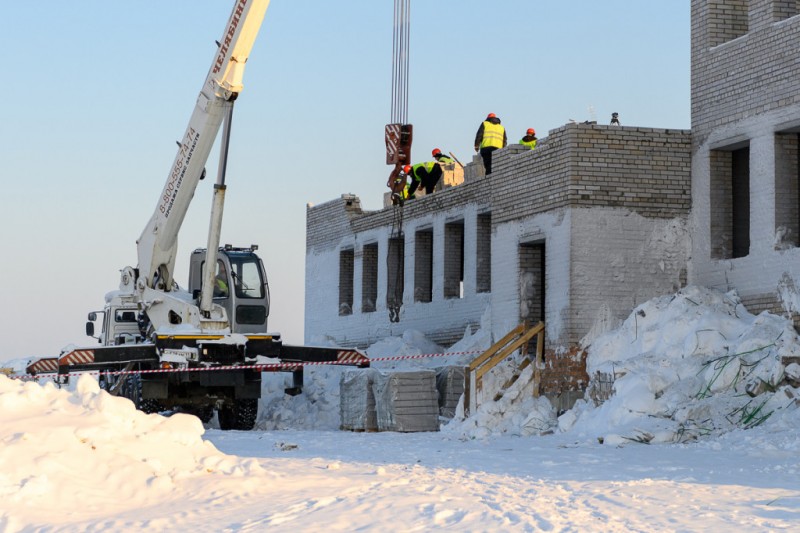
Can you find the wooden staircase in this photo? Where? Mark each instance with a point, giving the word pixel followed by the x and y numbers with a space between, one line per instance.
pixel 517 339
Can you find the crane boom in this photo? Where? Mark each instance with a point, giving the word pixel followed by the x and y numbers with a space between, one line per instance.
pixel 157 244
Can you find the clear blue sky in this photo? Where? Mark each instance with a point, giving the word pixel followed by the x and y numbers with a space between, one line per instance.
pixel 97 92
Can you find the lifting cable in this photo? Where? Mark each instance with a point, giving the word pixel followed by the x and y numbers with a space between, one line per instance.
pixel 401 38
pixel 398 150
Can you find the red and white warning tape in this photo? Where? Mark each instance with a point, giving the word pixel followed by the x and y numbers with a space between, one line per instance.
pixel 271 367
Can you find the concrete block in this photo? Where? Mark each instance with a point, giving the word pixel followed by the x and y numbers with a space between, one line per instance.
pixel 406 401
pixel 357 401
pixel 450 385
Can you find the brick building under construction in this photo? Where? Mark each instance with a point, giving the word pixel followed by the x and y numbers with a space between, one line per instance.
pixel 593 222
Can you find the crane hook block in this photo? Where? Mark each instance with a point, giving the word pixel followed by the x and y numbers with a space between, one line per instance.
pixel 398 144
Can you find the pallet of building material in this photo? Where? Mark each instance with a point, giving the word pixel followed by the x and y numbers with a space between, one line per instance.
pixel 452 176
pixel 450 385
pixel 357 400
pixel 407 401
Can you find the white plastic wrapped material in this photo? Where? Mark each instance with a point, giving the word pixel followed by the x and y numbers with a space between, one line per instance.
pixel 357 401
pixel 450 384
pixel 407 401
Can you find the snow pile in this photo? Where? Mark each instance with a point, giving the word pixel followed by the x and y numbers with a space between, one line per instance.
pixel 688 365
pixel 517 413
pixel 95 447
pixel 681 367
pixel 14 367
pixel 316 408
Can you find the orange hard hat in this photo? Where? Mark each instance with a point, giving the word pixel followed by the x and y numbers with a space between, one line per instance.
pixel 407 169
pixel 491 115
pixel 436 152
pixel 531 131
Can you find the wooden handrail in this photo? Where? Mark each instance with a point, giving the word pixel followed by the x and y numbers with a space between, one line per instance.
pixel 496 346
pixel 516 339
pixel 508 350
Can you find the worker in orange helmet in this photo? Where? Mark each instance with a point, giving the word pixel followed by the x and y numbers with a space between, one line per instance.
pixel 530 139
pixel 440 157
pixel 408 178
pixel 425 174
pixel 491 136
pixel 399 181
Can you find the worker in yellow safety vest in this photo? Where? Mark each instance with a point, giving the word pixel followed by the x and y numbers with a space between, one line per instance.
pixel 530 139
pixel 490 137
pixel 425 174
pixel 221 281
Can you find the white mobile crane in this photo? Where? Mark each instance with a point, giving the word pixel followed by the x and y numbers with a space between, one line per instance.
pixel 156 337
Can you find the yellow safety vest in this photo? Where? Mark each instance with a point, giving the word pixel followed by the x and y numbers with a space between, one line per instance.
pixel 428 165
pixel 492 135
pixel 221 287
pixel 529 144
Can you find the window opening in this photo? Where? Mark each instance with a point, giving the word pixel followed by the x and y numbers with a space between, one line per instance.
pixel 730 202
pixel 395 259
pixel 423 266
pixel 369 278
pixel 532 285
pixel 787 190
pixel 454 260
pixel 346 258
pixel 483 263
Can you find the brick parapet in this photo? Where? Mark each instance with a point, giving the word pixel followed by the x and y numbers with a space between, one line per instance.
pixel 328 222
pixel 645 170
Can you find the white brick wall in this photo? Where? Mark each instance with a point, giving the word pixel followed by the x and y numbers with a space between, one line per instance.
pixel 761 271
pixel 620 260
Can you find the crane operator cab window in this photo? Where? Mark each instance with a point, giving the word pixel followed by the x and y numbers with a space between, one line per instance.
pixel 247 278
pixel 221 281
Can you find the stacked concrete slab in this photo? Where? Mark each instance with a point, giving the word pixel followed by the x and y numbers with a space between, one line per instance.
pixel 357 401
pixel 450 385
pixel 407 401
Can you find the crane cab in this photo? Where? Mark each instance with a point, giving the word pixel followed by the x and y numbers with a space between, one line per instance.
pixel 241 286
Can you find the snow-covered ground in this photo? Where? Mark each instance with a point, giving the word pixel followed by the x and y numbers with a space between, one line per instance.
pixel 701 433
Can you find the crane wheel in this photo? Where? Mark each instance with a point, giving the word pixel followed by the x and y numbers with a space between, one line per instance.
pixel 132 390
pixel 240 415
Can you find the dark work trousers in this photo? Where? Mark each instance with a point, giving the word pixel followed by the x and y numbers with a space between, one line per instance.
pixel 486 154
pixel 426 179
pixel 433 178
